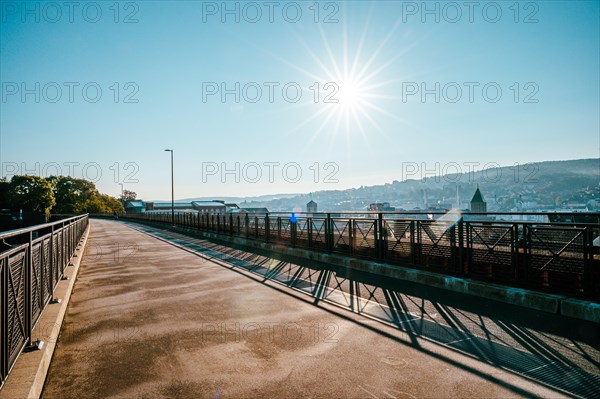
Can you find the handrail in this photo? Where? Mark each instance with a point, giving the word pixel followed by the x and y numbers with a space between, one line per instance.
pixel 30 270
pixel 436 212
pixel 16 232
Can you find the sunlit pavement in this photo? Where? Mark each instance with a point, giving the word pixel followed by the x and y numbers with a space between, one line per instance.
pixel 150 319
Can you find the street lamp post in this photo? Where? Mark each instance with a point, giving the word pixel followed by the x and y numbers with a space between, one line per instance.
pixel 121 184
pixel 172 191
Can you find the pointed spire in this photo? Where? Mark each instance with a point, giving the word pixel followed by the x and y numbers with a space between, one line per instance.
pixel 477 197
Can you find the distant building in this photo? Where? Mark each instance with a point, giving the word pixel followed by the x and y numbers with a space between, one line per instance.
pixel 203 207
pixel 255 211
pixel 135 207
pixel 230 207
pixel 311 207
pixel 166 206
pixel 477 203
pixel 209 207
pixel 381 207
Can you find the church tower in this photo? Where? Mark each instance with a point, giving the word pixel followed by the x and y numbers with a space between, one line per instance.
pixel 477 203
pixel 311 206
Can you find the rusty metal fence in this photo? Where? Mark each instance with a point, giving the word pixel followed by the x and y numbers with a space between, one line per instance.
pixel 32 262
pixel 557 257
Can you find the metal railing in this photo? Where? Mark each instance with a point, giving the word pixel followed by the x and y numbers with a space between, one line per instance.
pixel 32 262
pixel 554 257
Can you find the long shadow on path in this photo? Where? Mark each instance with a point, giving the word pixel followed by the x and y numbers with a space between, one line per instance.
pixel 556 351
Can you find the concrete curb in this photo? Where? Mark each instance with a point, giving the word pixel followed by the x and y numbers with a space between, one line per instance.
pixel 28 375
pixel 580 309
pixel 550 303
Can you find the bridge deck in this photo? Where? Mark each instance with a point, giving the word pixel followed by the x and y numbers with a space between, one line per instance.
pixel 149 319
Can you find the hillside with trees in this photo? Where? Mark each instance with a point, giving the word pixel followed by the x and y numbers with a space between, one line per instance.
pixel 533 186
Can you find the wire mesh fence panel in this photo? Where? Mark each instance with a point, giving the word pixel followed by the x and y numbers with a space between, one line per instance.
pixel 16 334
pixel 36 282
pixel 435 246
pixel 47 281
pixel 341 235
pixel 491 251
pixel 317 233
pixel 556 257
pixel 258 227
pixel 364 231
pixel 302 232
pixel 280 229
pixel 56 255
pixel 400 239
pixel 593 274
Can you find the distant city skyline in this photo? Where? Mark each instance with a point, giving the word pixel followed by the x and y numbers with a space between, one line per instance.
pixel 249 104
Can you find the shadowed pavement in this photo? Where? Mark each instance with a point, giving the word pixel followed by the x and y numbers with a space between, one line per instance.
pixel 147 319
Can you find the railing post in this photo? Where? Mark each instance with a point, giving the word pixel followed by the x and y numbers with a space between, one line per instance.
pixel 293 232
pixel 383 233
pixel 267 228
pixel 71 238
pixel 278 228
pixel 309 230
pixel 28 291
pixel 413 250
pixel 247 225
pixel 417 242
pixel 515 252
pixel 377 236
pixel 526 256
pixel 588 257
pixel 461 264
pixel 352 232
pixel 328 233
pixel 51 257
pixel 63 249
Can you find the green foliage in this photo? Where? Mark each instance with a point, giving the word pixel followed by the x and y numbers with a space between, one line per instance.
pixel 61 194
pixel 31 193
pixel 72 195
pixel 104 204
pixel 127 196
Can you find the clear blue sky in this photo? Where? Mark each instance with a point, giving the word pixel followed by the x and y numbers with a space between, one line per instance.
pixel 379 55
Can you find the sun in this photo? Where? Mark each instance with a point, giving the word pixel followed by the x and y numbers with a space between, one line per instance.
pixel 352 83
pixel 352 89
pixel 350 93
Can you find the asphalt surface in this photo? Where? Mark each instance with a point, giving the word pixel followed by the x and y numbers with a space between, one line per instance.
pixel 151 316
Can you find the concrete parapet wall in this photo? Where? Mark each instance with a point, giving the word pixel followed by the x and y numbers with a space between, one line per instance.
pixel 551 303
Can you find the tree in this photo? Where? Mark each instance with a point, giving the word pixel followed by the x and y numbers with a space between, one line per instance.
pixel 127 196
pixel 82 196
pixel 72 195
pixel 31 193
pixel 111 204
